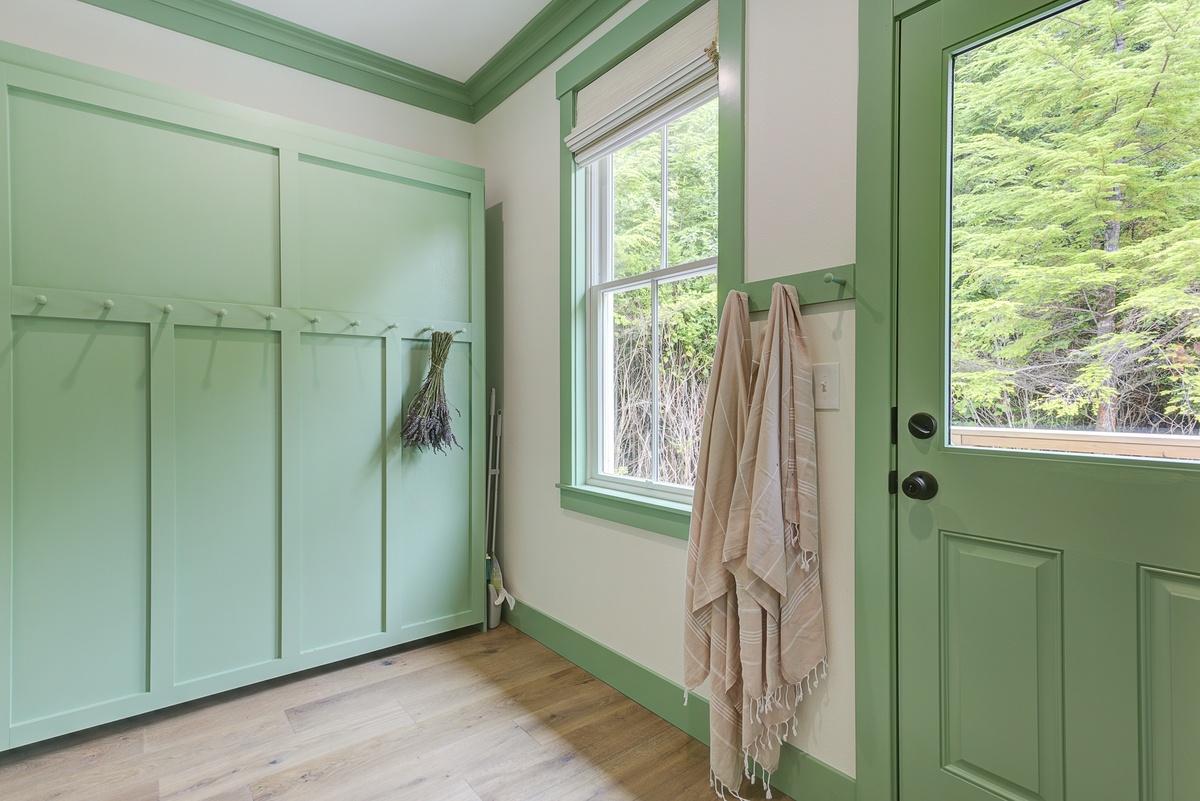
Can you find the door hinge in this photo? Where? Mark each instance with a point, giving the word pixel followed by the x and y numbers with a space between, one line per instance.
pixel 895 425
pixel 893 481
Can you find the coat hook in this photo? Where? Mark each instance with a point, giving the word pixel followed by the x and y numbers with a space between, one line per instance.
pixel 270 315
pixel 427 329
pixel 830 278
pixel 168 309
pixel 222 312
pixel 391 326
pixel 41 300
pixel 108 304
pixel 458 331
pixel 356 323
pixel 316 319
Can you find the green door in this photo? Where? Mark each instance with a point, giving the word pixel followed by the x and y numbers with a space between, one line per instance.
pixel 1049 324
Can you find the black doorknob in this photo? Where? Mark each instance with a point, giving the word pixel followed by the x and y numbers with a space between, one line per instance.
pixel 922 425
pixel 920 486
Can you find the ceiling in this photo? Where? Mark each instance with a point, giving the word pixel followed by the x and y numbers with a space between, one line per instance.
pixel 453 38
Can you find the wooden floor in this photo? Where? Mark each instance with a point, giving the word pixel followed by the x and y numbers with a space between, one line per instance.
pixel 483 717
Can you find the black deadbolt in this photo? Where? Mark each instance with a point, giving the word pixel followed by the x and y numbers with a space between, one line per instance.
pixel 920 486
pixel 922 425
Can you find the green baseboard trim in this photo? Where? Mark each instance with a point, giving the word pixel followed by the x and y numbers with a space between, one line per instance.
pixel 800 776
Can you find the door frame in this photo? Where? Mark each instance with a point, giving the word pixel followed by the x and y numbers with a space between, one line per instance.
pixel 877 701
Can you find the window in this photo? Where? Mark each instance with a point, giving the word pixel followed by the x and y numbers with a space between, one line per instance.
pixel 651 214
pixel 639 272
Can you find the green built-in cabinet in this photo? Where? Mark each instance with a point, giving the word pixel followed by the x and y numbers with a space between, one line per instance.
pixel 216 319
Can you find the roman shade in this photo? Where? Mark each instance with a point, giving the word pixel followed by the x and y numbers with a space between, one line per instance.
pixel 669 76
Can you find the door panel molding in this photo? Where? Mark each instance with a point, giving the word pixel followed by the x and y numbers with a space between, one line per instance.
pixel 1002 632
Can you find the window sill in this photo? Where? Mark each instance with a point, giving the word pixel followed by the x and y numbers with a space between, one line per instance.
pixel 670 518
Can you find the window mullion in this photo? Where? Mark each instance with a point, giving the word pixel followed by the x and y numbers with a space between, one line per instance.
pixel 656 347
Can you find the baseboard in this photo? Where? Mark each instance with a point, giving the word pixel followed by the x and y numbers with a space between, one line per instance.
pixel 800 776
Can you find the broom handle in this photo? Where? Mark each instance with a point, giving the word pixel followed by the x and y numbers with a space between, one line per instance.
pixel 496 483
pixel 487 514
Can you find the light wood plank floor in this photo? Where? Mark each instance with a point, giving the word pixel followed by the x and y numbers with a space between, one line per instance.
pixel 478 717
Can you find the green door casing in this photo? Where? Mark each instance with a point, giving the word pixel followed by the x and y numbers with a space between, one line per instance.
pixel 1048 604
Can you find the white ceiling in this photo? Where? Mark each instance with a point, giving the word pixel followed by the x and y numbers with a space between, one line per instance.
pixel 453 38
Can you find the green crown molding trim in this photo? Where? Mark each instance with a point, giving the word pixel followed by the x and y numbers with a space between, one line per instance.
pixel 555 29
pixel 800 776
pixel 249 31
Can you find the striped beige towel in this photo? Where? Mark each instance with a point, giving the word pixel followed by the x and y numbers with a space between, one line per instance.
pixel 711 639
pixel 773 544
pixel 755 618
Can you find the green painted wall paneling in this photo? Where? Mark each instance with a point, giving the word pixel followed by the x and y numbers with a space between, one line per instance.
pixel 429 498
pixel 800 776
pixel 113 180
pixel 342 539
pixel 552 32
pixel 81 531
pixel 227 479
pixel 205 493
pixel 408 244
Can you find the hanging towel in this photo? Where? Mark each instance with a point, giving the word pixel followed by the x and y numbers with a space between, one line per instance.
pixel 772 543
pixel 711 639
pixel 755 621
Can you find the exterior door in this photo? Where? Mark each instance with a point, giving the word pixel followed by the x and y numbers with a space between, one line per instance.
pixel 1049 592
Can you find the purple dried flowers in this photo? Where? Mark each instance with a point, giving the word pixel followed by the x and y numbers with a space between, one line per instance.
pixel 427 424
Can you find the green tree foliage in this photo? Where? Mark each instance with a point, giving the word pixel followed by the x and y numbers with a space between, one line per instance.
pixel 687 308
pixel 1076 222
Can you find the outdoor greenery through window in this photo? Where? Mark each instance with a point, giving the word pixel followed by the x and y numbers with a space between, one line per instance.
pixel 652 301
pixel 1075 230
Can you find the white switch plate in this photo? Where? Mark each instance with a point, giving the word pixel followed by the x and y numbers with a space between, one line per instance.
pixel 826 389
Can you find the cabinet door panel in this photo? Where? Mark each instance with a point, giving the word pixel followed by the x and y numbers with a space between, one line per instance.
pixel 80 520
pixel 342 536
pixel 431 516
pixel 227 476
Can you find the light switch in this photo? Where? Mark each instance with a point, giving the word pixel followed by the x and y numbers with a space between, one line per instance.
pixel 826 392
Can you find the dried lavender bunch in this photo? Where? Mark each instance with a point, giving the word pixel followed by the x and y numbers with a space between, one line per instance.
pixel 427 424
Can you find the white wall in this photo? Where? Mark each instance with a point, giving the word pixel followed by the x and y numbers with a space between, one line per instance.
pixel 621 586
pixel 103 38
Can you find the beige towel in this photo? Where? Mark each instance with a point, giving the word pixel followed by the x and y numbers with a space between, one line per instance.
pixel 775 649
pixel 711 639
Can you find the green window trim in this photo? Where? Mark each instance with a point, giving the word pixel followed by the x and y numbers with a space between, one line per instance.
pixel 661 516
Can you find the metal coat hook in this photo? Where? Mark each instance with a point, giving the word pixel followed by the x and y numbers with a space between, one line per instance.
pixel 315 319
pixel 108 304
pixel 168 309
pixel 429 329
pixel 270 315
pixel 830 278
pixel 41 300
pixel 222 312
pixel 355 323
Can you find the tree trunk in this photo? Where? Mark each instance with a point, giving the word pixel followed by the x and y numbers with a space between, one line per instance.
pixel 1106 324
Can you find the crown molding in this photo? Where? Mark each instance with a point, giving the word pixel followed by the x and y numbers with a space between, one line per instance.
pixel 555 29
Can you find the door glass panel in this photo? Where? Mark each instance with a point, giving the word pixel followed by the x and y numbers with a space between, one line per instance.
pixel 1074 318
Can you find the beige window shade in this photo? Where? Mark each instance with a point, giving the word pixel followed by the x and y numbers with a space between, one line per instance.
pixel 667 77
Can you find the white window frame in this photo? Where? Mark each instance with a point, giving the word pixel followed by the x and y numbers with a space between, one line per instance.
pixel 599 228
